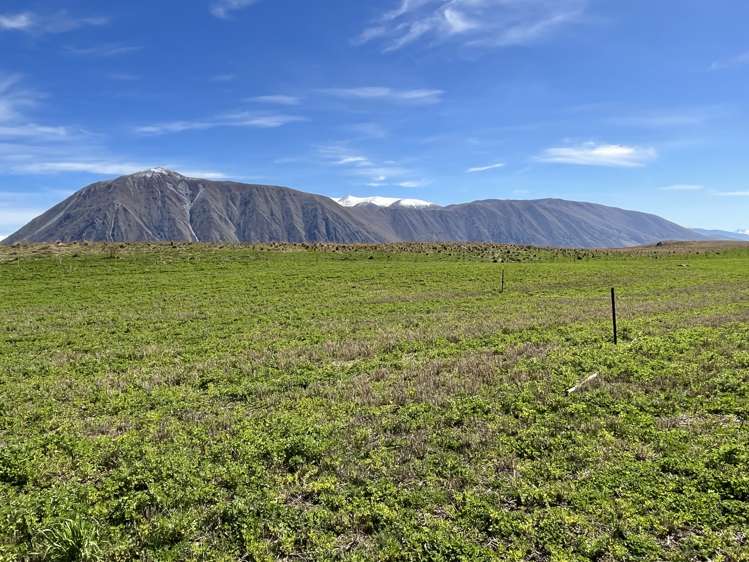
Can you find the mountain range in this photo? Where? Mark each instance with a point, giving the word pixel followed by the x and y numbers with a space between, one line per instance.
pixel 162 205
pixel 723 234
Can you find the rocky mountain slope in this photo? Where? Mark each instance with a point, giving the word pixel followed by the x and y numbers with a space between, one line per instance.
pixel 161 205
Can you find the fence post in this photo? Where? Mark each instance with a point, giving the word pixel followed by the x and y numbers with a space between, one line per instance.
pixel 503 281
pixel 613 314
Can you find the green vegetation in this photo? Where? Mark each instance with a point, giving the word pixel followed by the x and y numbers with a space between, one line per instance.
pixel 262 403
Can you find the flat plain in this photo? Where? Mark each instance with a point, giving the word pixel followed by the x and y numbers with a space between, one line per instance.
pixel 188 402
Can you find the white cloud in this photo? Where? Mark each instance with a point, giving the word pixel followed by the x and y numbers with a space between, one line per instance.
pixel 485 168
pixel 204 174
pixel 733 193
pixel 106 168
pixel 224 8
pixel 93 167
pixel 592 154
pixel 243 119
pixel 278 99
pixel 682 187
pixel 13 99
pixel 14 123
pixel 490 23
pixel 103 51
pixel 33 131
pixel 59 22
pixel 3 237
pixel 458 22
pixel 174 127
pixel 357 160
pixel 419 96
pixel 269 121
pixel 413 184
pixel 376 174
pixel 30 148
pixel 16 22
pixel 738 60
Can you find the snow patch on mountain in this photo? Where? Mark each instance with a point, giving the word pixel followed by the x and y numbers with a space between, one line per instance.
pixel 379 201
pixel 151 172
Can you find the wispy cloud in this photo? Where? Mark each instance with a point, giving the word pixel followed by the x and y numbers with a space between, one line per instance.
pixel 223 78
pixel 89 167
pixel 16 22
pixel 27 147
pixel 593 154
pixel 375 173
pixel 731 62
pixel 14 98
pixel 59 22
pixel 107 168
pixel 733 193
pixel 670 118
pixel 478 169
pixel 419 96
pixel 224 8
pixel 489 23
pixel 682 187
pixel 242 119
pixel 33 131
pixel 103 51
pixel 277 99
pixel 21 139
pixel 413 184
pixel 368 130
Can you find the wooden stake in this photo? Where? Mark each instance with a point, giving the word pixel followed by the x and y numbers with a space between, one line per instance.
pixel 503 280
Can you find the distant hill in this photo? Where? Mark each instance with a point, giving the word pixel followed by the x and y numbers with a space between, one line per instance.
pixel 162 205
pixel 722 234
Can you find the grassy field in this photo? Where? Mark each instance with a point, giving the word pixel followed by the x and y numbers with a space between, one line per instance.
pixel 373 403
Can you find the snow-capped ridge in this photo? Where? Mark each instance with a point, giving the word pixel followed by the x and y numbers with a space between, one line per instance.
pixel 379 201
pixel 151 172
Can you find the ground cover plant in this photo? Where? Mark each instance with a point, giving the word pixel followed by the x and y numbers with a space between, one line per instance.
pixel 187 402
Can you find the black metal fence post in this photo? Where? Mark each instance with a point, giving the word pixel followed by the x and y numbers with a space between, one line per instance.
pixel 613 314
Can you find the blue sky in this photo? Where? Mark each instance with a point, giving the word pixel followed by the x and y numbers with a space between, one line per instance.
pixel 637 104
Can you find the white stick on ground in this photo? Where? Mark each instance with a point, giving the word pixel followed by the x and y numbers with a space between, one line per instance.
pixel 578 386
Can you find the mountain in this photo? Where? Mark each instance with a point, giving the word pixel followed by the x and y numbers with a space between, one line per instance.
pixel 722 234
pixel 161 205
